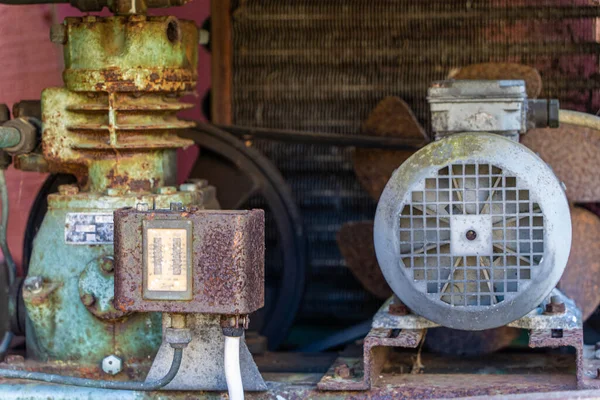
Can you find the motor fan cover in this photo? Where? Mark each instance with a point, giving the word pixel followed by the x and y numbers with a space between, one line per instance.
pixel 473 231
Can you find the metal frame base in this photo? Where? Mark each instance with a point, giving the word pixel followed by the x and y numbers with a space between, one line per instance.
pixel 408 331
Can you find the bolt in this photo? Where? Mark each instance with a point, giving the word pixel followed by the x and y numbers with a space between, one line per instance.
pixel 107 265
pixel 142 207
pixel 112 365
pixel 342 371
pixel 88 299
pixel 188 187
pixel 68 190
pixel 9 137
pixel 167 190
pixel 471 234
pixel 555 306
pixel 58 34
pixel 33 284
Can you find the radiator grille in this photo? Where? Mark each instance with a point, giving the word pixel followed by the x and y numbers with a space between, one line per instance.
pixel 324 64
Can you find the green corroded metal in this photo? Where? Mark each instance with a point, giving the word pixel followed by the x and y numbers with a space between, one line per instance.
pixel 60 326
pixel 114 126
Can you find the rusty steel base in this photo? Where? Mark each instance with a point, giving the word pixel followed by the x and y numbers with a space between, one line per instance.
pixel 408 331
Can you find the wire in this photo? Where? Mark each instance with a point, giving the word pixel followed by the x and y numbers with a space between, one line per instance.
pixel 233 375
pixel 579 119
pixel 10 262
pixel 100 384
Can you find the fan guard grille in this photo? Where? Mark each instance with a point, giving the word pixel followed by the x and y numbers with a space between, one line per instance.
pixel 471 236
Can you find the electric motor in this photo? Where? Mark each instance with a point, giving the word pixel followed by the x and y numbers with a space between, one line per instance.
pixel 473 231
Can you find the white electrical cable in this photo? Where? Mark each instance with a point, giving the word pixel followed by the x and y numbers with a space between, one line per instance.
pixel 233 374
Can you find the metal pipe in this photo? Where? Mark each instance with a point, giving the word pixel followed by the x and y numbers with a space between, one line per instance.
pixel 579 119
pixel 100 384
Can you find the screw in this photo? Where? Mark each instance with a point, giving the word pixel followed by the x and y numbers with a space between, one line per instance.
pixel 555 306
pixel 343 371
pixel 471 234
pixel 107 265
pixel 112 365
pixel 167 190
pixel 34 284
pixel 68 190
pixel 58 34
pixel 88 299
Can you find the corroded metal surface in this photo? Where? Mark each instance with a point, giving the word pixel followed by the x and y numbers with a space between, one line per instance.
pixel 355 241
pixel 581 279
pixel 392 117
pixel 227 254
pixel 60 325
pixel 115 123
pixel 573 152
pixel 563 330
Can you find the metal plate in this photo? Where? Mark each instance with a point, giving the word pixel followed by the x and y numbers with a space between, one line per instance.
pixel 479 291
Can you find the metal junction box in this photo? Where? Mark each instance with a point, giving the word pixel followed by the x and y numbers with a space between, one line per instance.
pixel 189 261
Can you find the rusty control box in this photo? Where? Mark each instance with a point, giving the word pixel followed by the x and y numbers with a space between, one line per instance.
pixel 189 260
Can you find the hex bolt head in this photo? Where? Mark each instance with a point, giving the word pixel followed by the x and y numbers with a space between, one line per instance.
pixel 88 299
pixel 107 265
pixel 33 284
pixel 58 34
pixel 112 365
pixel 68 190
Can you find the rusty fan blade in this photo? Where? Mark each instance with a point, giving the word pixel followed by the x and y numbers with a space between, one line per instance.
pixel 392 117
pixel 355 241
pixel 581 279
pixel 532 78
pixel 573 152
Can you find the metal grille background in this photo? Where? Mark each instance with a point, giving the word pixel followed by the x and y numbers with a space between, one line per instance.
pixel 324 64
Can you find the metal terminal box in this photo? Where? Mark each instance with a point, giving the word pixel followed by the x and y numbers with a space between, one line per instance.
pixel 189 261
pixel 478 106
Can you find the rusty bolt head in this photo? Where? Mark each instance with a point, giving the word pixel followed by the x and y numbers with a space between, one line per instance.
pixel 342 371
pixel 68 190
pixel 555 308
pixel 107 265
pixel 167 190
pixel 112 365
pixel 88 299
pixel 33 284
pixel 398 309
pixel 58 34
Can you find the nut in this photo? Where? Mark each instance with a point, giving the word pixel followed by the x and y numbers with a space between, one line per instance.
pixel 555 306
pixel 112 365
pixel 343 371
pixel 107 264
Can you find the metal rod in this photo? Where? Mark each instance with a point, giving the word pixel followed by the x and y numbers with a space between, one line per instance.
pixel 319 138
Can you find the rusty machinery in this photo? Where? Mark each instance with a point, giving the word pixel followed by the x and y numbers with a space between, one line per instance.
pixel 102 292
